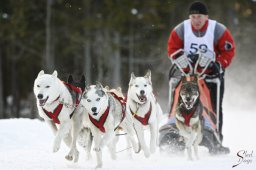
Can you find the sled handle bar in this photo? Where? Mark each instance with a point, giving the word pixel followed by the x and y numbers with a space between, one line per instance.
pixel 181 60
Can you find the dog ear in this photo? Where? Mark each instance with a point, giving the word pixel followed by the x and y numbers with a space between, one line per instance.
pixel 119 89
pixel 133 75
pixel 195 79
pixel 99 86
pixel 132 78
pixel 86 88
pixel 183 79
pixel 40 73
pixel 148 75
pixel 70 79
pixel 83 82
pixel 107 88
pixel 55 73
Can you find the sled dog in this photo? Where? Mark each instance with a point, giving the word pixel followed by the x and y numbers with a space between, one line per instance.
pixel 145 110
pixel 85 136
pixel 57 104
pixel 189 118
pixel 106 111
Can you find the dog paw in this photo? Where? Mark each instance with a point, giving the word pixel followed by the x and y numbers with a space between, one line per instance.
pixel 88 156
pixel 152 149
pixel 97 149
pixel 56 148
pixel 69 157
pixel 113 156
pixel 73 156
pixel 98 166
pixel 147 154
pixel 76 156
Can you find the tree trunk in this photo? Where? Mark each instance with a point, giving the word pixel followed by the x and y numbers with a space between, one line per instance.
pixel 1 88
pixel 87 61
pixel 116 61
pixel 131 50
pixel 49 61
pixel 15 91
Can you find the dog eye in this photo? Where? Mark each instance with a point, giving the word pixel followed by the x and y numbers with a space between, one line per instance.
pixel 98 99
pixel 136 85
pixel 47 87
pixel 145 85
pixel 38 86
pixel 88 100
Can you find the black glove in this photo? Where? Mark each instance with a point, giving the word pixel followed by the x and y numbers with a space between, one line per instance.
pixel 214 67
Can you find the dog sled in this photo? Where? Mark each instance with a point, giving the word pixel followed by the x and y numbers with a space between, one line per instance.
pixel 186 65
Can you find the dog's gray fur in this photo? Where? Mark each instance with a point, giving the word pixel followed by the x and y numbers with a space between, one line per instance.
pixel 189 102
pixel 96 99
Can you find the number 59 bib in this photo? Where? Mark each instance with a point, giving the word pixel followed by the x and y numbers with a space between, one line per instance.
pixel 193 43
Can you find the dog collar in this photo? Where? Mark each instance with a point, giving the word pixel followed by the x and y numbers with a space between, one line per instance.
pixel 143 120
pixel 100 123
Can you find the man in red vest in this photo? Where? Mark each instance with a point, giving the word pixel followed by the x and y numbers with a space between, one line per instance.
pixel 201 33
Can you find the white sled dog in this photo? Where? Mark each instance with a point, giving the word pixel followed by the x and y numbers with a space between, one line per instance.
pixel 106 113
pixel 60 110
pixel 143 107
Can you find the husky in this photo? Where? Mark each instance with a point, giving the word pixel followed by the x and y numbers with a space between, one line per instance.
pixel 106 112
pixel 85 136
pixel 59 108
pixel 145 110
pixel 189 115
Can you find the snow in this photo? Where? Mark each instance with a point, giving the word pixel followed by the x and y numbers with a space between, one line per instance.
pixel 27 144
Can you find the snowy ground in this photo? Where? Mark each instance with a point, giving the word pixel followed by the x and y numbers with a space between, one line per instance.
pixel 27 144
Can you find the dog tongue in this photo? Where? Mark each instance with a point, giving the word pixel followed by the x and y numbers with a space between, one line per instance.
pixel 42 102
pixel 142 98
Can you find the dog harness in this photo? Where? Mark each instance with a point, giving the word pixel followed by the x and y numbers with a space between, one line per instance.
pixel 100 123
pixel 143 120
pixel 123 104
pixel 75 92
pixel 55 114
pixel 188 116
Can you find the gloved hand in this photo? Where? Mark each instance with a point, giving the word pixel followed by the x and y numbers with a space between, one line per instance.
pixel 204 60
pixel 182 61
pixel 214 67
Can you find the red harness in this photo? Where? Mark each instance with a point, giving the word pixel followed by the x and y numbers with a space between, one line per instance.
pixel 123 104
pixel 143 120
pixel 188 116
pixel 75 89
pixel 55 114
pixel 100 123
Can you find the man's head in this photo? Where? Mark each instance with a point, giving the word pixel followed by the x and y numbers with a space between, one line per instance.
pixel 198 14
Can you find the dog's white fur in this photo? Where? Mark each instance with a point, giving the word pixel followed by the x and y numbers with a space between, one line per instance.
pixel 50 86
pixel 140 107
pixel 91 100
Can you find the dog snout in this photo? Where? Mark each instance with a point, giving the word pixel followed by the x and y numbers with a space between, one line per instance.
pixel 40 96
pixel 142 92
pixel 94 109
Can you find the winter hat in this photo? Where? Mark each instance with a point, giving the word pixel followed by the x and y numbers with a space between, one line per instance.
pixel 198 8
